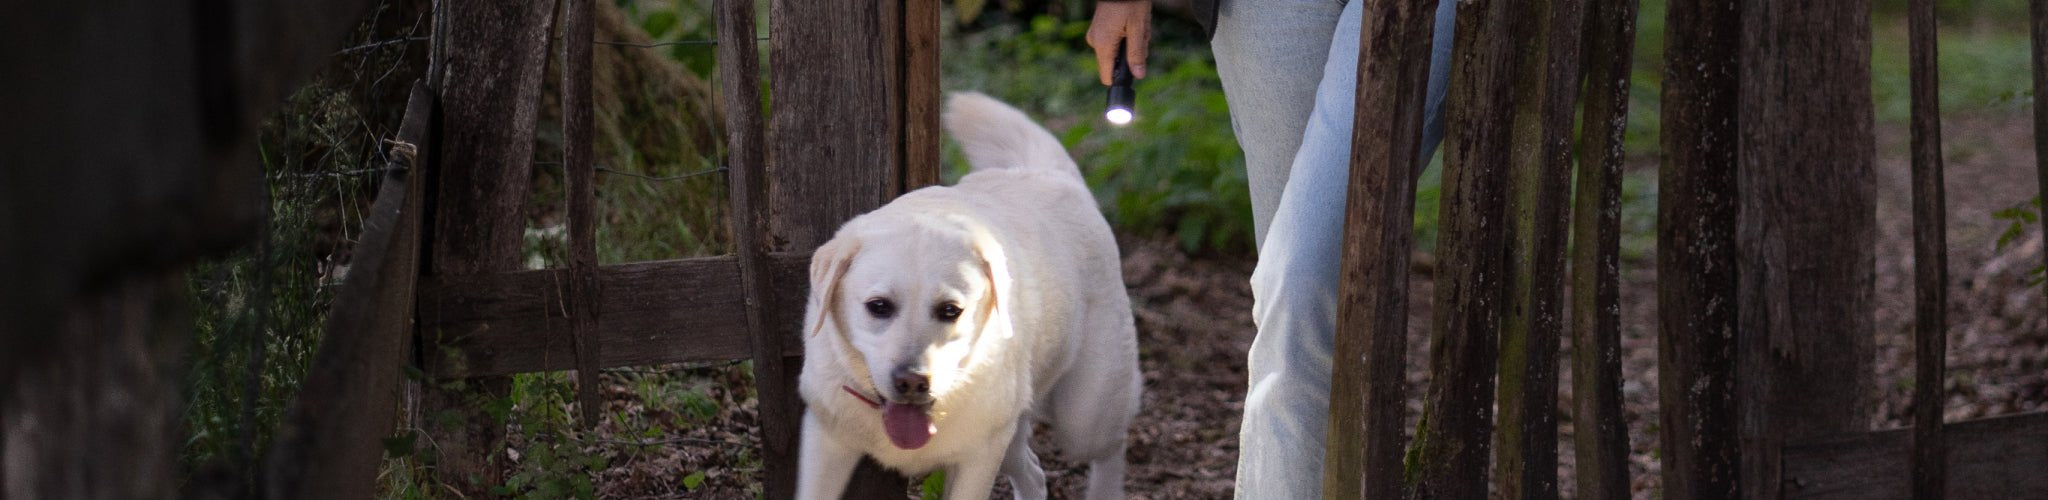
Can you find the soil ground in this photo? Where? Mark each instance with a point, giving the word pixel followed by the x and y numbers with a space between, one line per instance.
pixel 1194 322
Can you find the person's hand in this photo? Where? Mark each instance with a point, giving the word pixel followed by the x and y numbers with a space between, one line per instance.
pixel 1116 21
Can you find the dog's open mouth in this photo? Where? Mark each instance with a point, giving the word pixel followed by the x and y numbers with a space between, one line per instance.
pixel 909 426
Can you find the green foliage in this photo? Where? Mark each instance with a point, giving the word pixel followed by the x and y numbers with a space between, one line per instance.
pixel 1177 170
pixel 2018 218
pixel 933 487
pixel 258 313
pixel 553 460
pixel 1981 69
pixel 675 20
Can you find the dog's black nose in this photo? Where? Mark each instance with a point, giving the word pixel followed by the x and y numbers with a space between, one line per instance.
pixel 912 384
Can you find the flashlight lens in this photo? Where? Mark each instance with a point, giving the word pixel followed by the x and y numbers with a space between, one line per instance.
pixel 1118 116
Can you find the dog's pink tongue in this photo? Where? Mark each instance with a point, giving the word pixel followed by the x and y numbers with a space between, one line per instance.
pixel 908 426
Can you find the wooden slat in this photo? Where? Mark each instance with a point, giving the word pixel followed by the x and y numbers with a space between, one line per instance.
pixel 1368 390
pixel 920 94
pixel 1930 260
pixel 491 69
pixel 327 446
pixel 832 131
pixel 1807 229
pixel 1599 430
pixel 1992 458
pixel 581 176
pixel 680 311
pixel 1696 257
pixel 2038 28
pixel 747 183
pixel 835 135
pixel 1458 408
pixel 1539 198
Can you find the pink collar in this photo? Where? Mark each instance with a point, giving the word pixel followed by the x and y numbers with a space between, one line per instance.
pixel 863 398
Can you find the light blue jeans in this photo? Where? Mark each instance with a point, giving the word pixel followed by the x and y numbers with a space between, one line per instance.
pixel 1290 71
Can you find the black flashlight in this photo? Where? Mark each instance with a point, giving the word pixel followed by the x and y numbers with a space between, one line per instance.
pixel 1122 98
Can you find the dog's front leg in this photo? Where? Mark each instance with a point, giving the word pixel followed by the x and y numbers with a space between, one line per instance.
pixel 823 463
pixel 975 477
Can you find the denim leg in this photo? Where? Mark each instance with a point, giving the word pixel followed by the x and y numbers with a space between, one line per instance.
pixel 1269 55
pixel 1295 282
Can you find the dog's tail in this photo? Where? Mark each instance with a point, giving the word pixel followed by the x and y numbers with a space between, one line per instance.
pixel 997 136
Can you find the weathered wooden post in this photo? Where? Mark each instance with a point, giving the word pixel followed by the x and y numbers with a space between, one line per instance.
pixel 1599 430
pixel 1696 255
pixel 580 172
pixel 326 447
pixel 490 103
pixel 1539 202
pixel 1368 387
pixel 854 123
pixel 1457 416
pixel 1930 261
pixel 1807 229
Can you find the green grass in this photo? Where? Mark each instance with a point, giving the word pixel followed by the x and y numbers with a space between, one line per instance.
pixel 1983 68
pixel 257 314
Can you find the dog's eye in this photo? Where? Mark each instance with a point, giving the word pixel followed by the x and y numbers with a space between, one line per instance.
pixel 881 308
pixel 946 312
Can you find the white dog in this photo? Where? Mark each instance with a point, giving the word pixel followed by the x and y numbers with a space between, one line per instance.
pixel 941 325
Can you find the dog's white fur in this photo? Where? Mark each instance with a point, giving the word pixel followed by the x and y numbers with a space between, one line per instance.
pixel 1044 331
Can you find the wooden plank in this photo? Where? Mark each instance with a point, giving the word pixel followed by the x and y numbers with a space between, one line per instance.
pixel 1998 457
pixel 739 89
pixel 1525 445
pixel 1457 419
pixel 1599 430
pixel 920 94
pixel 2038 28
pixel 1696 254
pixel 327 445
pixel 829 155
pixel 835 135
pixel 492 59
pixel 1368 389
pixel 1930 260
pixel 1806 230
pixel 581 174
pixel 490 104
pixel 685 310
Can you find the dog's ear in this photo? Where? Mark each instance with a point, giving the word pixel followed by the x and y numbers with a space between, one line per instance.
pixel 828 265
pixel 996 268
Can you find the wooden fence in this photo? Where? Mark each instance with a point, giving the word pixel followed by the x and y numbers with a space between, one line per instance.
pixel 856 102
pixel 854 123
pixel 1765 242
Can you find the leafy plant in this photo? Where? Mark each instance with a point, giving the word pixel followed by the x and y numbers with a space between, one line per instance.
pixel 2019 217
pixel 933 487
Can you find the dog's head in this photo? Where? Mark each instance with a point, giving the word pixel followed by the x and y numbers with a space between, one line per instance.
pixel 908 299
